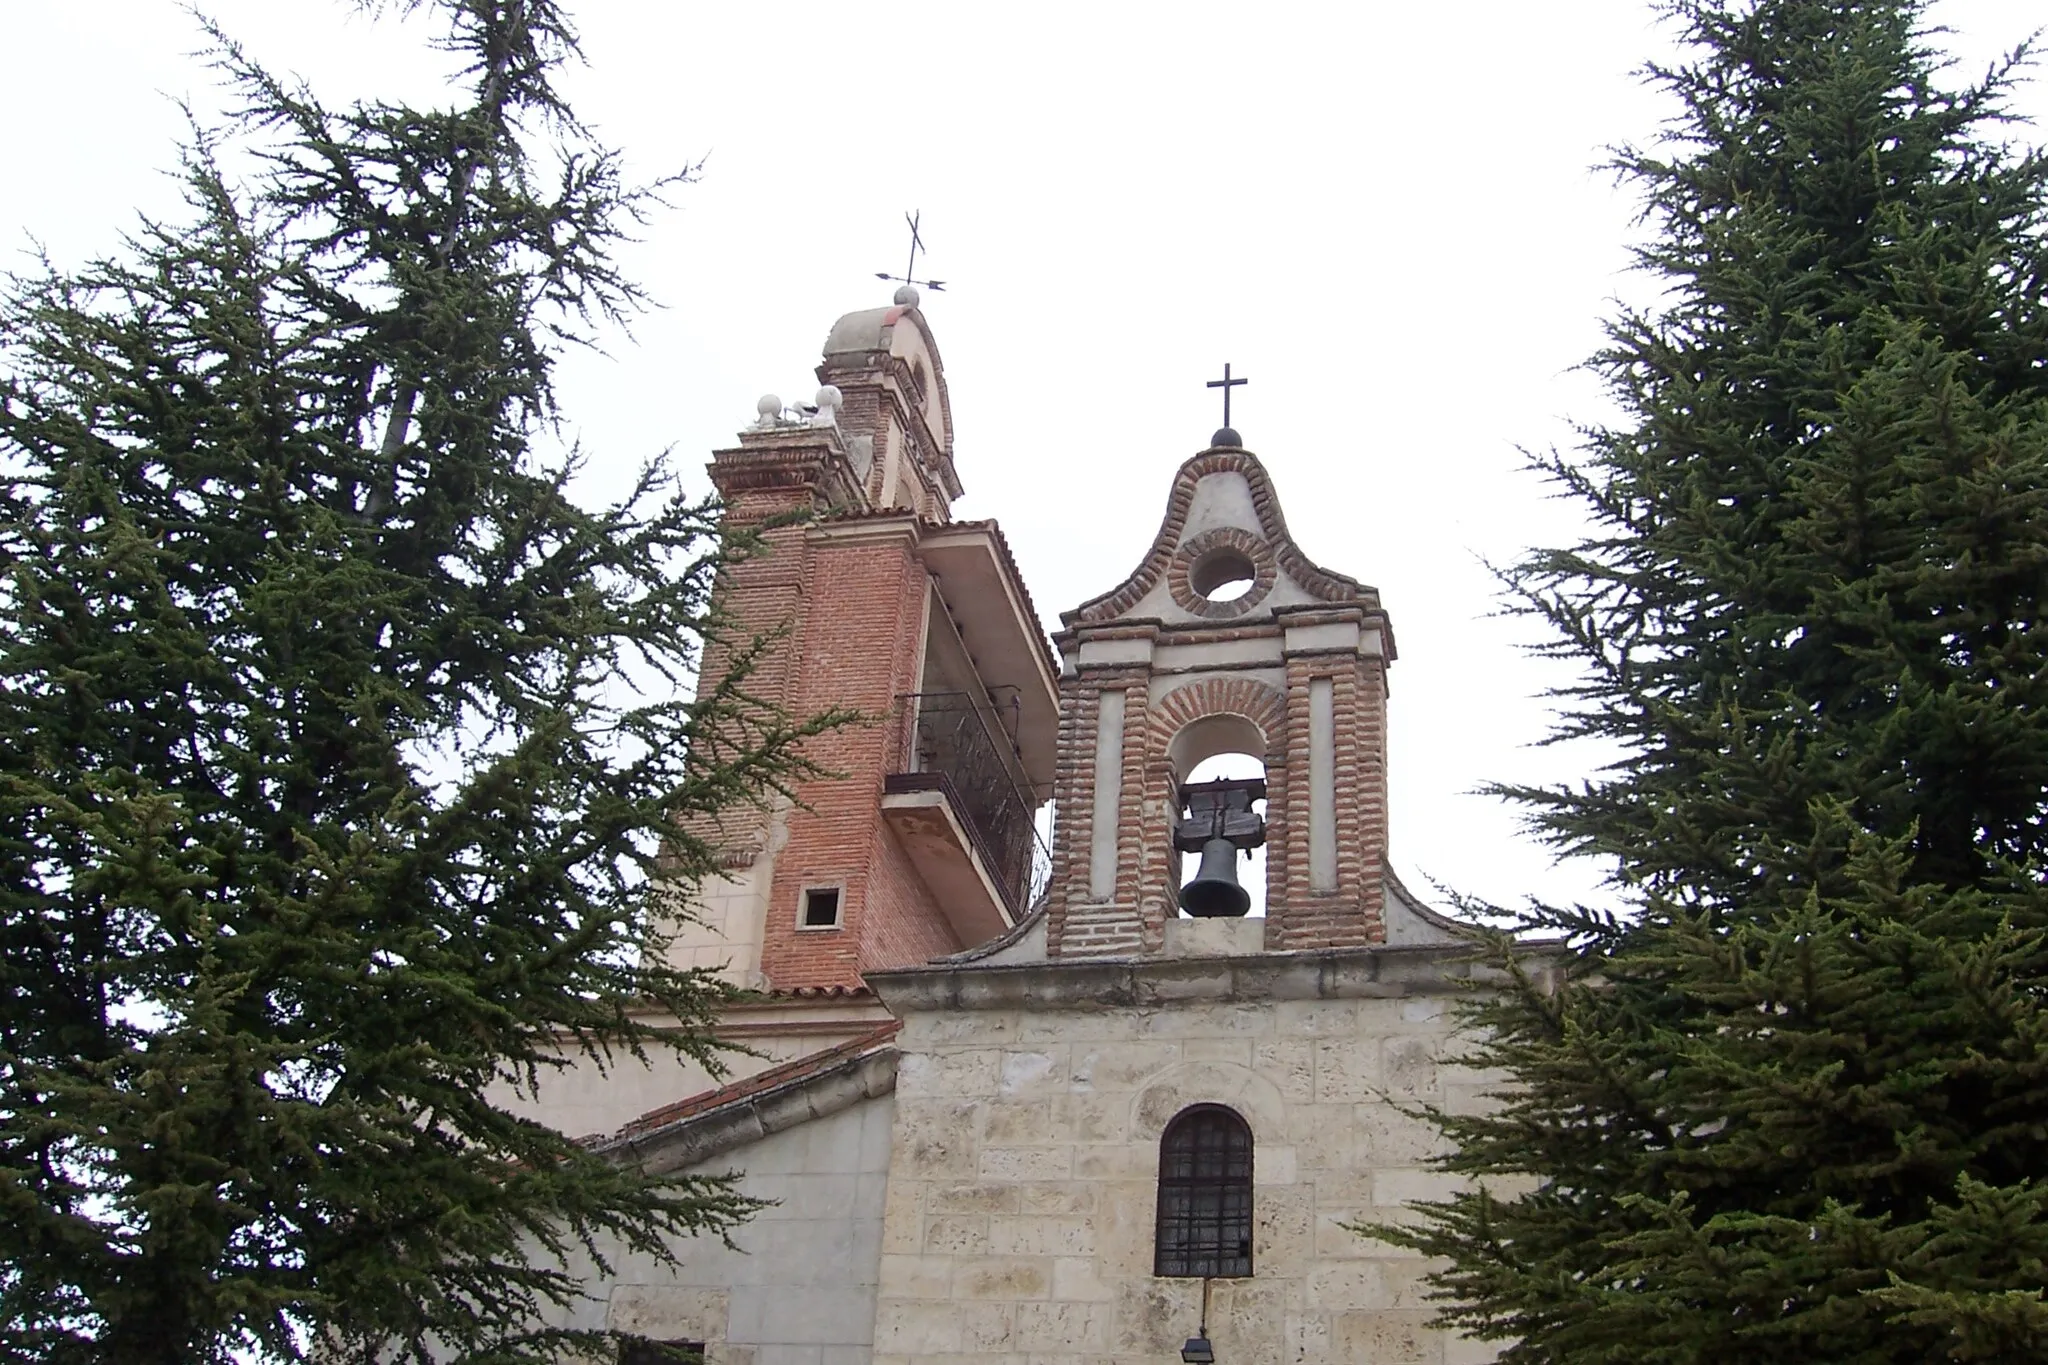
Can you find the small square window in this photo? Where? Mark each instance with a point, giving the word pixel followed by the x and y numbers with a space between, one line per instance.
pixel 820 908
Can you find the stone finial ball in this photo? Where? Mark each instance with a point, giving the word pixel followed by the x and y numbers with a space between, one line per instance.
pixel 829 397
pixel 907 296
pixel 768 405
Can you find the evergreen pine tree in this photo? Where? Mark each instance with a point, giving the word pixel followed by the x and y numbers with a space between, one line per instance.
pixel 1793 1105
pixel 338 748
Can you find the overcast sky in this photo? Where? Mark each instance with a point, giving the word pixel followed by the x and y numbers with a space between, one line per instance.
pixel 1387 216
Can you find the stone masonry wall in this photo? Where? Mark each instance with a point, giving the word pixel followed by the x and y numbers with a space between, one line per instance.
pixel 1019 1218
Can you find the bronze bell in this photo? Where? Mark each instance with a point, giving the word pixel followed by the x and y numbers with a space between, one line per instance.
pixel 1220 823
pixel 1215 891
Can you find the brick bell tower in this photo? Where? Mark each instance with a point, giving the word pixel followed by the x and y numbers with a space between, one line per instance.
pixel 1226 639
pixel 922 841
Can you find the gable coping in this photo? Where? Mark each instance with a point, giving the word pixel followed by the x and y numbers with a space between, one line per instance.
pixel 1334 587
pixel 699 1127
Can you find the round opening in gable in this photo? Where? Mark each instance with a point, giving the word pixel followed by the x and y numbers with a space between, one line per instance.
pixel 1222 575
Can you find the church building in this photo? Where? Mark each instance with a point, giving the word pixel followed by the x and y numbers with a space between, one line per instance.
pixel 1031 1100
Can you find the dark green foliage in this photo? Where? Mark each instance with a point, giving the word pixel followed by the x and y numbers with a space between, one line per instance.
pixel 330 781
pixel 1794 1105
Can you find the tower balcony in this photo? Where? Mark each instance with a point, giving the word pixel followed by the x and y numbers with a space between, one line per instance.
pixel 957 800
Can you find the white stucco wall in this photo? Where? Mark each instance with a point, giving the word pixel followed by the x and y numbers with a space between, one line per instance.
pixel 800 1289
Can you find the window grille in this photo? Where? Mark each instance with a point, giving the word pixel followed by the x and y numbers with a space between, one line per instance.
pixel 1205 1195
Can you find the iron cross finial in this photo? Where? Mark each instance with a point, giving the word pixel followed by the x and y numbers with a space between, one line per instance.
pixel 1226 383
pixel 916 245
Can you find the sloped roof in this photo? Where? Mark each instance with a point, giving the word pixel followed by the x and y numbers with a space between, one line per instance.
pixel 699 1127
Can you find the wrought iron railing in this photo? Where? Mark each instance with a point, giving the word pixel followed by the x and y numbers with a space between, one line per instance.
pixel 950 742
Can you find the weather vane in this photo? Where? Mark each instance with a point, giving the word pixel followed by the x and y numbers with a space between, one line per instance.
pixel 1225 436
pixel 916 245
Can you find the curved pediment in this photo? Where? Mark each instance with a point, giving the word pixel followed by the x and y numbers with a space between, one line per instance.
pixel 1223 525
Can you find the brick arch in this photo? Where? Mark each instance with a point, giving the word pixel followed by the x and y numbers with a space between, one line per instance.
pixel 1263 706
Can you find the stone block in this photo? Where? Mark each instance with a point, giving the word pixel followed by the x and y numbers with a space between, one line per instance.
pixel 986 1328
pixel 1384 1136
pixel 917 1329
pixel 1406 1185
pixel 953 1073
pixel 1041 1236
pixel 1043 1120
pixel 1335 1240
pixel 1342 1191
pixel 1064 1326
pixel 1033 1073
pixel 902 1224
pixel 1349 1285
pixel 975 1197
pixel 1396 1338
pixel 1099 1118
pixel 1468 1099
pixel 1406 1283
pixel 1347 1070
pixel 1308 1337
pixel 1408 1066
pixel 1055 1200
pixel 1210 1021
pixel 956 1234
pixel 1234 1051
pixel 1316 1019
pixel 917 1277
pixel 1069 1026
pixel 1076 1277
pixel 1272 1164
pixel 1464 1351
pixel 1152 1315
pixel 1289 1065
pixel 1125 1227
pixel 925 1030
pixel 1116 1161
pixel 935 1141
pixel 1118 1065
pixel 1026 1163
pixel 1242 1316
pixel 996 1278
pixel 1283 1222
pixel 1427 1010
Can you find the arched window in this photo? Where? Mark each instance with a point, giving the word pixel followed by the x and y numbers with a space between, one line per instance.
pixel 1205 1194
